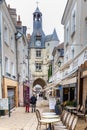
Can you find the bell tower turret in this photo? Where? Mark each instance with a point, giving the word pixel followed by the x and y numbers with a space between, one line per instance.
pixel 37 19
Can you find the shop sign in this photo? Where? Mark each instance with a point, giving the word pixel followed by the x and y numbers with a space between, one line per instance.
pixel 4 104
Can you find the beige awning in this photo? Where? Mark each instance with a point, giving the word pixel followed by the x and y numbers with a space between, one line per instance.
pixel 51 85
pixel 69 81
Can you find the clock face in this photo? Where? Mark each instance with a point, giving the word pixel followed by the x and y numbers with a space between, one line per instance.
pixel 38 43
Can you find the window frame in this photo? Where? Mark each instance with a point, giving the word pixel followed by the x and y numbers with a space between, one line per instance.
pixel 73 21
pixel 6 34
pixel 38 53
pixel 38 66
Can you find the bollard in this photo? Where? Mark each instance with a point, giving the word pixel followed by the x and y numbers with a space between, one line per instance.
pixel 9 107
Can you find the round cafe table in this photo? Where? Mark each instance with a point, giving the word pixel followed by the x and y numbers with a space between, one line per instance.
pixel 50 121
pixel 50 116
pixel 48 113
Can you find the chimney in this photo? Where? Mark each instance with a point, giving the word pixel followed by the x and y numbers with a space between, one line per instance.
pixel 8 5
pixel 19 23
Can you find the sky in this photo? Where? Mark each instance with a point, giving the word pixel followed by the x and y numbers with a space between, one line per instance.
pixel 52 12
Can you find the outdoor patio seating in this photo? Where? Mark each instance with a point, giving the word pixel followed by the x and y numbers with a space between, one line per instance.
pixel 71 124
pixel 64 125
pixel 66 121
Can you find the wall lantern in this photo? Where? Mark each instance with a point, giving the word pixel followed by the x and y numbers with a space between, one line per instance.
pixel 59 63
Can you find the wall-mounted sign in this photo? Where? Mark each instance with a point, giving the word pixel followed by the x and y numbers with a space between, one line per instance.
pixel 4 104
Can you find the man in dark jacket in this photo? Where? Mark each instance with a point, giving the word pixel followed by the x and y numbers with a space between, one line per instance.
pixel 33 103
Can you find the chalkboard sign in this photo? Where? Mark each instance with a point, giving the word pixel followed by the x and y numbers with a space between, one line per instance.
pixel 4 104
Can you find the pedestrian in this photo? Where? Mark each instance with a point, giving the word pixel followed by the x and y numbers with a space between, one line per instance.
pixel 86 105
pixel 27 104
pixel 58 108
pixel 33 100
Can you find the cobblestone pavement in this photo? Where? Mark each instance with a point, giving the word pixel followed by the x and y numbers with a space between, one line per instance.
pixel 20 120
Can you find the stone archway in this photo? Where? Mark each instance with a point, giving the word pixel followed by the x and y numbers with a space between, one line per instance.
pixel 38 85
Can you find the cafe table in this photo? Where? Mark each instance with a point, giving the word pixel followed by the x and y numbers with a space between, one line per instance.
pixel 48 113
pixel 50 116
pixel 71 108
pixel 49 121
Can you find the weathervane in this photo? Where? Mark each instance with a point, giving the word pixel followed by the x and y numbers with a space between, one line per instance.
pixel 37 3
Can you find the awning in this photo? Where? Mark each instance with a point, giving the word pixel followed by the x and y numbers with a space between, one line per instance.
pixel 51 85
pixel 69 81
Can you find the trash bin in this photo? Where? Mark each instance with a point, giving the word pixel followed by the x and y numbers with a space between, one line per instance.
pixel 2 112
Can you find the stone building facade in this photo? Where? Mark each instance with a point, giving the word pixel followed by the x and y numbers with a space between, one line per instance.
pixel 9 84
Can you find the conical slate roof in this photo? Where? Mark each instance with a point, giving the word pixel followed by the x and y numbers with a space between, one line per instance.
pixel 37 10
pixel 54 36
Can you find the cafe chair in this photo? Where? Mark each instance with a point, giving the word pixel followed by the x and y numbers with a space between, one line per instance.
pixel 81 108
pixel 38 115
pixel 72 124
pixel 77 110
pixel 62 119
pixel 66 122
pixel 82 114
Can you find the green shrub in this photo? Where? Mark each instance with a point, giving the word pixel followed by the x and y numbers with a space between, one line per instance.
pixel 70 103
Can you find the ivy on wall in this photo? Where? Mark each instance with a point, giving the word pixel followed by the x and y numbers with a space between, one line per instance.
pixel 49 71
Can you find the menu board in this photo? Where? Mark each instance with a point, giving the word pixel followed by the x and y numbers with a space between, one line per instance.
pixel 4 104
pixel 52 102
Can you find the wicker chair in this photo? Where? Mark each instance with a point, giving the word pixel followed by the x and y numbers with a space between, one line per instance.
pixel 71 125
pixel 82 114
pixel 38 115
pixel 77 110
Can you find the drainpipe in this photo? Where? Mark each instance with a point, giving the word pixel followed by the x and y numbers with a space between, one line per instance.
pixel 0 55
pixel 18 35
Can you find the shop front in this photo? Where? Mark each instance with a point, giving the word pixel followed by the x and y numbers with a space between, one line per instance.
pixel 69 89
pixel 10 91
pixel 69 92
pixel 82 83
pixel 11 96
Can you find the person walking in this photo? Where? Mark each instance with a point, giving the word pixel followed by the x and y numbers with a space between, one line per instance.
pixel 27 104
pixel 33 100
pixel 86 105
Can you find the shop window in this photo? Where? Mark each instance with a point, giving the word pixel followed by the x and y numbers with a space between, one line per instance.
pixel 65 94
